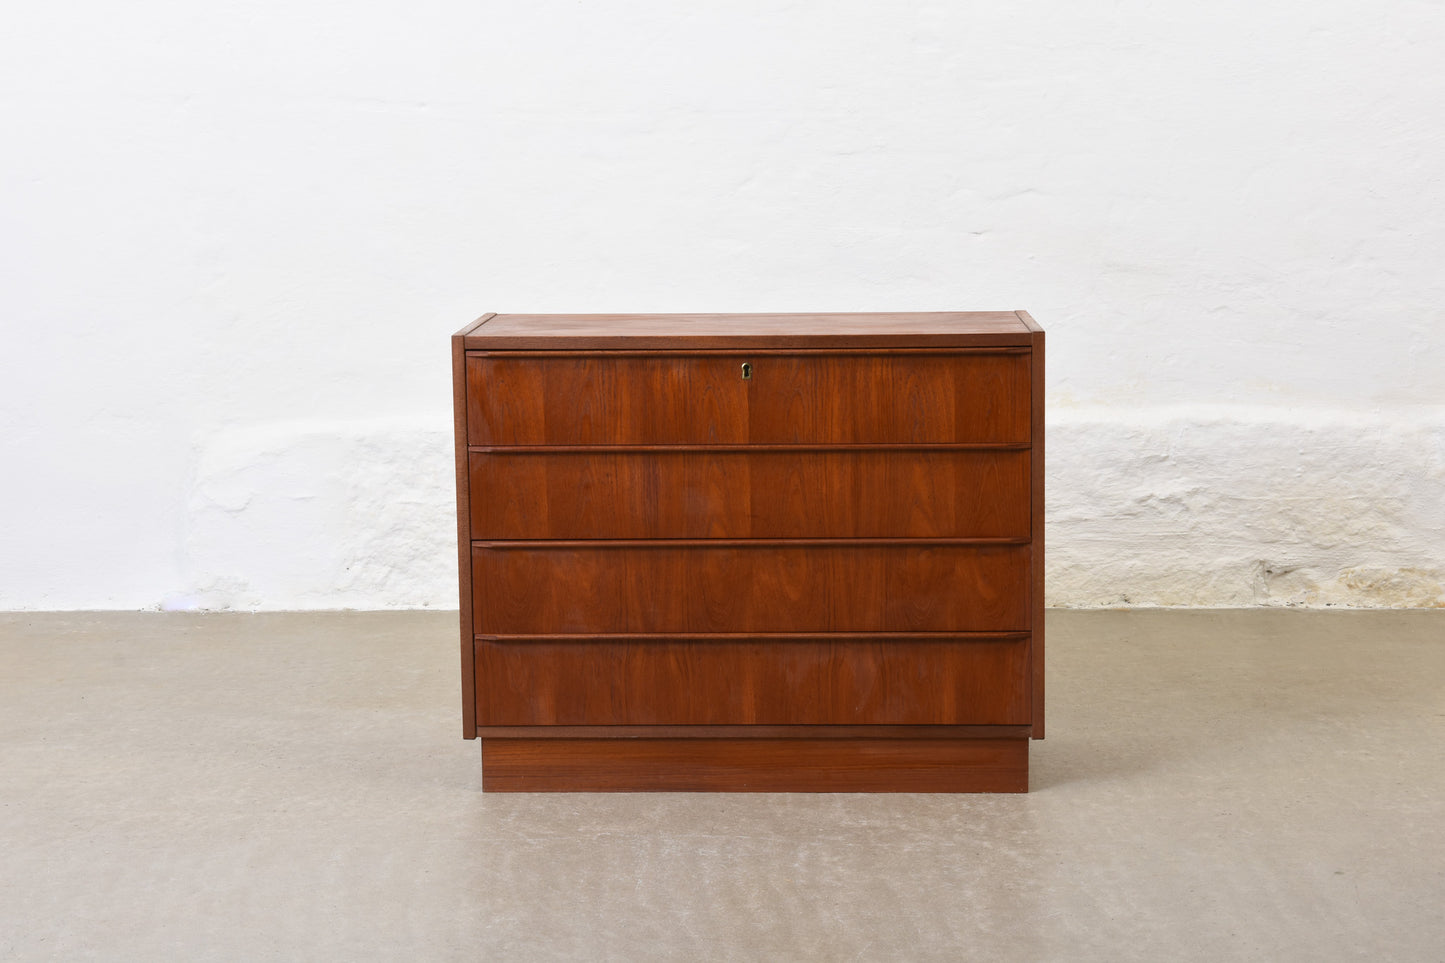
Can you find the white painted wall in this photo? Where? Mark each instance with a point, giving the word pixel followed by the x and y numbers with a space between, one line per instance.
pixel 234 238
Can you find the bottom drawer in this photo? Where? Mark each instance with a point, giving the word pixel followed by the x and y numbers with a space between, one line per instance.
pixel 914 679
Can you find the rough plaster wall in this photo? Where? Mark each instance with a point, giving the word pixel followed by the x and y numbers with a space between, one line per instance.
pixel 343 514
pixel 234 238
pixel 1225 506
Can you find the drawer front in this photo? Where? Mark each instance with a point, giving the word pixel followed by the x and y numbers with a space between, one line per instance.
pixel 810 681
pixel 967 398
pixel 795 398
pixel 629 587
pixel 564 399
pixel 911 493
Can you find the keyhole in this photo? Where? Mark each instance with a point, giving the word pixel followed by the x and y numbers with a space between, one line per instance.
pixel 747 371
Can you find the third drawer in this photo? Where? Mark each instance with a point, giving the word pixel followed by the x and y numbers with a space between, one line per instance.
pixel 605 587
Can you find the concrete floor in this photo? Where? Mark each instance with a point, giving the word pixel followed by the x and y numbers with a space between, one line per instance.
pixel 1216 785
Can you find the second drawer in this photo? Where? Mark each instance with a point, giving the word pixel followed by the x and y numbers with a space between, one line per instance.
pixel 721 493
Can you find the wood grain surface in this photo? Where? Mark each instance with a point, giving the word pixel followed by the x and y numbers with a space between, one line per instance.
pixel 749 493
pixel 678 399
pixel 611 331
pixel 464 535
pixel 755 765
pixel 756 681
pixel 822 586
pixel 753 732
pixel 1036 511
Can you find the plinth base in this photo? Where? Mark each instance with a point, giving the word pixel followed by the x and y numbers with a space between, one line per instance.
pixel 767 759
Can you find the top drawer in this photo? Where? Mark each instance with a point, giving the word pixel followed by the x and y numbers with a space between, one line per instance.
pixel 805 398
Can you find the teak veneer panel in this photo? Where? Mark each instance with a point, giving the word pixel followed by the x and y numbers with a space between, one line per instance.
pixel 1036 433
pixel 889 398
pixel 464 545
pixel 749 493
pixel 907 680
pixel 803 398
pixel 823 586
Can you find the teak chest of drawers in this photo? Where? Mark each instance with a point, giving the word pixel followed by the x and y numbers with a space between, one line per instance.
pixel 751 552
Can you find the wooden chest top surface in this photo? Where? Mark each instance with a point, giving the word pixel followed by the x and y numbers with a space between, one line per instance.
pixel 652 331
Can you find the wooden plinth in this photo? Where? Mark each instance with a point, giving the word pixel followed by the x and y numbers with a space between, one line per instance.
pixel 754 764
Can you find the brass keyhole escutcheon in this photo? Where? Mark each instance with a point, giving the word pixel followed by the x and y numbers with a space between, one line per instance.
pixel 747 371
